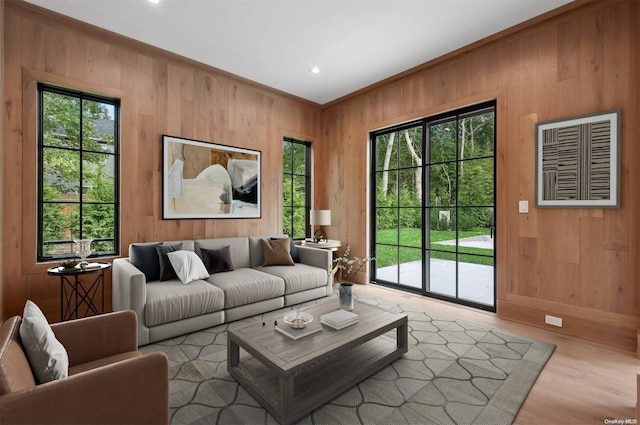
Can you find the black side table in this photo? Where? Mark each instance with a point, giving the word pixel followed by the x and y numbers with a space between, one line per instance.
pixel 73 294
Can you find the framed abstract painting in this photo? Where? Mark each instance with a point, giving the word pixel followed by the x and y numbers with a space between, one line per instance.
pixel 207 180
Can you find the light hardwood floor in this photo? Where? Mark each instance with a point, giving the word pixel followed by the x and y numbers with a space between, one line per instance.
pixel 582 383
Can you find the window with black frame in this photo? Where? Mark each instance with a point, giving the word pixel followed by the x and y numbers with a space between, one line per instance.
pixel 296 187
pixel 78 169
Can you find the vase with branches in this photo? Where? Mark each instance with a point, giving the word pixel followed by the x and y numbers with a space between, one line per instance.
pixel 349 267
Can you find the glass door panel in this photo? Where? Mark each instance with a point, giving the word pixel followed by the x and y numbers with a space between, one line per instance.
pixel 475 280
pixel 411 267
pixel 442 273
pixel 443 185
pixel 434 206
pixel 387 263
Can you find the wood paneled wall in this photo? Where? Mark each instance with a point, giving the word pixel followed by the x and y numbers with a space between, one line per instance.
pixel 160 94
pixel 1 147
pixel 579 264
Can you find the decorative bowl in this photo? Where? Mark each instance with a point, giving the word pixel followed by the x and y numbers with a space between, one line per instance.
pixel 69 264
pixel 297 319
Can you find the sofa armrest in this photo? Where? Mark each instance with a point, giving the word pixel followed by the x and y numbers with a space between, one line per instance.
pixel 96 337
pixel 321 258
pixel 316 257
pixel 129 287
pixel 133 391
pixel 129 292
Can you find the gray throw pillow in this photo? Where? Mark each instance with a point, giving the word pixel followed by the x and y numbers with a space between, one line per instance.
pixel 217 260
pixel 145 258
pixel 47 356
pixel 166 269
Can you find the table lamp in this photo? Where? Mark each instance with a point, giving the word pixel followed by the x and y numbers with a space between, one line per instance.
pixel 320 218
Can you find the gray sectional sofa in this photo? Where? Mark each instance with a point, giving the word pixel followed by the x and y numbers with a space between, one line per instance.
pixel 169 308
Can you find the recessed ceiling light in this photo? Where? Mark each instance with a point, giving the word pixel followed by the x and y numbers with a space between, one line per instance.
pixel 314 70
pixel 155 1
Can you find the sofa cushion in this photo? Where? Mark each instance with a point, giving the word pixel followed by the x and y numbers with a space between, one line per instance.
pixel 166 269
pixel 276 252
pixel 47 356
pixel 188 266
pixel 172 300
pixel 239 248
pixel 246 286
pixel 299 278
pixel 217 260
pixel 145 258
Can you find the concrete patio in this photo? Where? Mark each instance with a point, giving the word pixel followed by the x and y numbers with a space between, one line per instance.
pixel 475 281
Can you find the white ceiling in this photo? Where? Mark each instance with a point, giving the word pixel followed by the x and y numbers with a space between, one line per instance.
pixel 355 43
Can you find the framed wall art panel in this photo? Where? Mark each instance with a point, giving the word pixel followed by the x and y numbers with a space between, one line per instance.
pixel 207 180
pixel 578 162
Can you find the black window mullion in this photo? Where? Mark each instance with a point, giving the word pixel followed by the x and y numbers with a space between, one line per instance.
pixel 307 202
pixel 457 204
pixel 40 179
pixel 396 168
pixel 81 142
pixel 426 208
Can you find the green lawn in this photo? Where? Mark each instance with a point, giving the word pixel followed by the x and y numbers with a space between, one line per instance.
pixel 412 237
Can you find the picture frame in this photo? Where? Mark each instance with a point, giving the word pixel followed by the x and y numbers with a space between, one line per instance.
pixel 203 180
pixel 578 162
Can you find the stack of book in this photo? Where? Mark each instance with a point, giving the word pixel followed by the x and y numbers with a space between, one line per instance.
pixel 339 319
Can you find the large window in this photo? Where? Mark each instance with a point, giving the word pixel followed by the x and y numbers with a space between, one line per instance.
pixel 77 172
pixel 296 187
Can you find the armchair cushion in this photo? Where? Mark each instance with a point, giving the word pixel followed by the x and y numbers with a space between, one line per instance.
pixel 110 334
pixel 47 356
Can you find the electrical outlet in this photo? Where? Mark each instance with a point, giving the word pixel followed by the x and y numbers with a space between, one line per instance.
pixel 553 321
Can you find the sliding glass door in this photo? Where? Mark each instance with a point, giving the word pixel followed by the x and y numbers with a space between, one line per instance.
pixel 398 232
pixel 433 205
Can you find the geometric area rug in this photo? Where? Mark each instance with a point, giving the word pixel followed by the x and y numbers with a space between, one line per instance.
pixel 455 372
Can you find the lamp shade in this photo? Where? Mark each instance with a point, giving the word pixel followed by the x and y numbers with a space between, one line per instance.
pixel 320 217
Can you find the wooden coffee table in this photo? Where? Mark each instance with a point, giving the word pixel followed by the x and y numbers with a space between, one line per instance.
pixel 290 378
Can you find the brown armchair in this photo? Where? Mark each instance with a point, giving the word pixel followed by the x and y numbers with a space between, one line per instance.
pixel 109 382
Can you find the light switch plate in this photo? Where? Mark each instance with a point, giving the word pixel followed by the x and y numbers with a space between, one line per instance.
pixel 523 207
